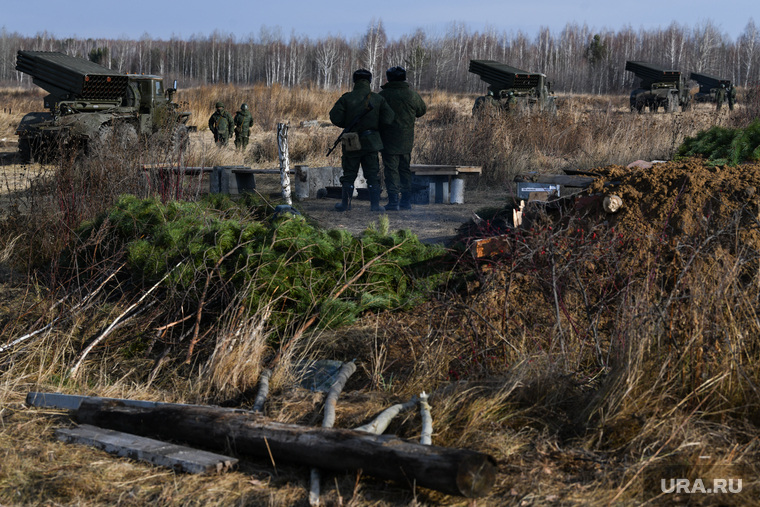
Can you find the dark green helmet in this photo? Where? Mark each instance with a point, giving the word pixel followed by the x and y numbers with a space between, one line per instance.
pixel 220 104
pixel 244 107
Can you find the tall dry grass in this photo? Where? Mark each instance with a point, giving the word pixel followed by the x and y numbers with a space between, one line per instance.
pixel 576 397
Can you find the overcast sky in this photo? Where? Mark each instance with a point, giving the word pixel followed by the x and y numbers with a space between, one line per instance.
pixel 314 18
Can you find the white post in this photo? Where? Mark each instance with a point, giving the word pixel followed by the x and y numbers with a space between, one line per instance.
pixel 282 148
pixel 427 421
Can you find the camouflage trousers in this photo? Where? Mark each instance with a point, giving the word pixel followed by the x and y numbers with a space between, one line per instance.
pixel 221 139
pixel 241 141
pixel 398 175
pixel 369 162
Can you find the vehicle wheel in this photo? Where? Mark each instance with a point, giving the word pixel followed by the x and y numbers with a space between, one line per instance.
pixel 25 151
pixel 180 140
pixel 113 139
pixel 126 136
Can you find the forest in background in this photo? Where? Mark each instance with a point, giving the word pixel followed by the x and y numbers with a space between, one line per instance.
pixel 575 60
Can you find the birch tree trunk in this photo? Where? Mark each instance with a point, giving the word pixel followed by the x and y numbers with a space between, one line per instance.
pixel 282 148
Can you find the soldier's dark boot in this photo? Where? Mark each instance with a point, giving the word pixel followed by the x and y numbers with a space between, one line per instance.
pixel 406 201
pixel 392 202
pixel 345 198
pixel 374 198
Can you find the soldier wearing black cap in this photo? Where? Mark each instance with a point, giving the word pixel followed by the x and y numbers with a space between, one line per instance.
pixel 398 138
pixel 361 145
pixel 221 124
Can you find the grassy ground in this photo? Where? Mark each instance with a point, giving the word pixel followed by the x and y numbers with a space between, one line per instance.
pixel 585 360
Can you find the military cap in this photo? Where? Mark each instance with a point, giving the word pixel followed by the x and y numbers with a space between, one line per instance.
pixel 220 104
pixel 362 74
pixel 396 74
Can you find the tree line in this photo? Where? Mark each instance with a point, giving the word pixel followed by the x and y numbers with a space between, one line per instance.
pixel 575 60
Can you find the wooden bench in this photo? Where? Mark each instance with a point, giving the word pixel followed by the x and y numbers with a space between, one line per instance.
pixel 232 179
pixel 445 182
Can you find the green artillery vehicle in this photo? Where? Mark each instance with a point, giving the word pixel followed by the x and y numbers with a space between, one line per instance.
pixel 659 87
pixel 90 105
pixel 708 86
pixel 511 89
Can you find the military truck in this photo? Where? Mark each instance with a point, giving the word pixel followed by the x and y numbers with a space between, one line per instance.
pixel 511 89
pixel 89 104
pixel 658 87
pixel 708 86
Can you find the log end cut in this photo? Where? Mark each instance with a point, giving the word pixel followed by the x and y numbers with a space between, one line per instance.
pixel 476 475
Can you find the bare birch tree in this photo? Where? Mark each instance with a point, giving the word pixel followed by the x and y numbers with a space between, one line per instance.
pixel 373 48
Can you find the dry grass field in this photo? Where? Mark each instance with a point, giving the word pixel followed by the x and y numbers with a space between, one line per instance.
pixel 591 357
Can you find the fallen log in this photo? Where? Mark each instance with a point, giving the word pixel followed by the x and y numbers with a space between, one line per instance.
pixel 452 471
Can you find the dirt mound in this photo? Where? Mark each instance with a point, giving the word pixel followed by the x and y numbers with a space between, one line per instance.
pixel 683 197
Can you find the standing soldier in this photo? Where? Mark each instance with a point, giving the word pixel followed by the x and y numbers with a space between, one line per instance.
pixel 731 95
pixel 221 124
pixel 243 124
pixel 398 138
pixel 720 96
pixel 364 112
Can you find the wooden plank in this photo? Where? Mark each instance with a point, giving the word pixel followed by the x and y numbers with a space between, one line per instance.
pixel 494 245
pixel 196 169
pixel 453 471
pixel 444 170
pixel 557 179
pixel 179 458
pixel 72 402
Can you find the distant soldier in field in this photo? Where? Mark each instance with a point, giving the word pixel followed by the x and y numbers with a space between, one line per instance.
pixel 221 124
pixel 365 112
pixel 731 96
pixel 398 137
pixel 720 96
pixel 485 104
pixel 511 101
pixel 243 123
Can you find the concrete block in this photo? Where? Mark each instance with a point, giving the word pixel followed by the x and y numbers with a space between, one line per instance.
pixel 457 191
pixel 310 180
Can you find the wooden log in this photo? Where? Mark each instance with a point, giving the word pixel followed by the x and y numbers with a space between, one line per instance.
pixel 451 471
pixel 177 457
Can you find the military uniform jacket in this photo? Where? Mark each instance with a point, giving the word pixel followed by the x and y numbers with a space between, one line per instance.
pixel 352 104
pixel 398 138
pixel 243 122
pixel 221 123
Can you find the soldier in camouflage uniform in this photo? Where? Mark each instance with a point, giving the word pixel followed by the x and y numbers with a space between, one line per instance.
pixel 731 96
pixel 486 104
pixel 376 114
pixel 243 123
pixel 221 124
pixel 398 138
pixel 720 96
